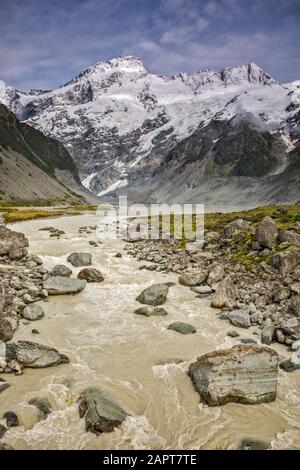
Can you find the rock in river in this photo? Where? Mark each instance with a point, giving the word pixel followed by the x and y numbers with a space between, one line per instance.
pixel 91 275
pixel 102 413
pixel 80 259
pixel 149 311
pixel 63 285
pixel 154 295
pixel 243 374
pixel 61 270
pixel 34 355
pixel 33 312
pixel 43 406
pixel 181 327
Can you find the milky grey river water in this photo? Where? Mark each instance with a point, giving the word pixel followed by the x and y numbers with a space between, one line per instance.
pixel 120 352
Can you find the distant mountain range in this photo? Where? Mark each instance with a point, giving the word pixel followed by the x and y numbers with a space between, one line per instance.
pixel 205 134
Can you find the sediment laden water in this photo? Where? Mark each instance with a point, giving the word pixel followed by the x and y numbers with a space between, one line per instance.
pixel 120 352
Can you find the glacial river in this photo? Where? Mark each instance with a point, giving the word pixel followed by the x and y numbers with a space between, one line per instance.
pixel 121 353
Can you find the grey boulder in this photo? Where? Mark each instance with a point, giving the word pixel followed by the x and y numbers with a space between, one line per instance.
pixel 34 355
pixel 63 285
pixel 101 412
pixel 80 259
pixel 181 327
pixel 243 374
pixel 33 312
pixel 267 233
pixel 154 295
pixel 240 318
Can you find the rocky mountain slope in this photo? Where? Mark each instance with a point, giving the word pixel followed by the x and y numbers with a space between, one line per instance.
pixel 127 128
pixel 33 166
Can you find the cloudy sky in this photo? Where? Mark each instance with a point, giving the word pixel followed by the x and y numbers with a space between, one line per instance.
pixel 45 43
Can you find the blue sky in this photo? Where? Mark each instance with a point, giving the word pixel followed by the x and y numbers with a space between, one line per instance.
pixel 45 43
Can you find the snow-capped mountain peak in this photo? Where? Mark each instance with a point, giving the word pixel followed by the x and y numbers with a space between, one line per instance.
pixel 118 120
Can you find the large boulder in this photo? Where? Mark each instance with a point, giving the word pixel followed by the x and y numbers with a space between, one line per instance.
pixel 101 413
pixel 91 275
pixel 240 318
pixel 154 295
pixel 80 259
pixel 242 374
pixel 33 312
pixel 63 285
pixel 237 225
pixel 225 295
pixel 267 233
pixel 13 244
pixel 61 271
pixel 286 261
pixel 193 278
pixel 34 355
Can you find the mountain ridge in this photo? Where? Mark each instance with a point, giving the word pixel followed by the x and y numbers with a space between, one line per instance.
pixel 120 122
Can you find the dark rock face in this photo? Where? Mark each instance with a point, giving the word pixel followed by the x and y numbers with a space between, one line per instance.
pixel 101 413
pixel 243 374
